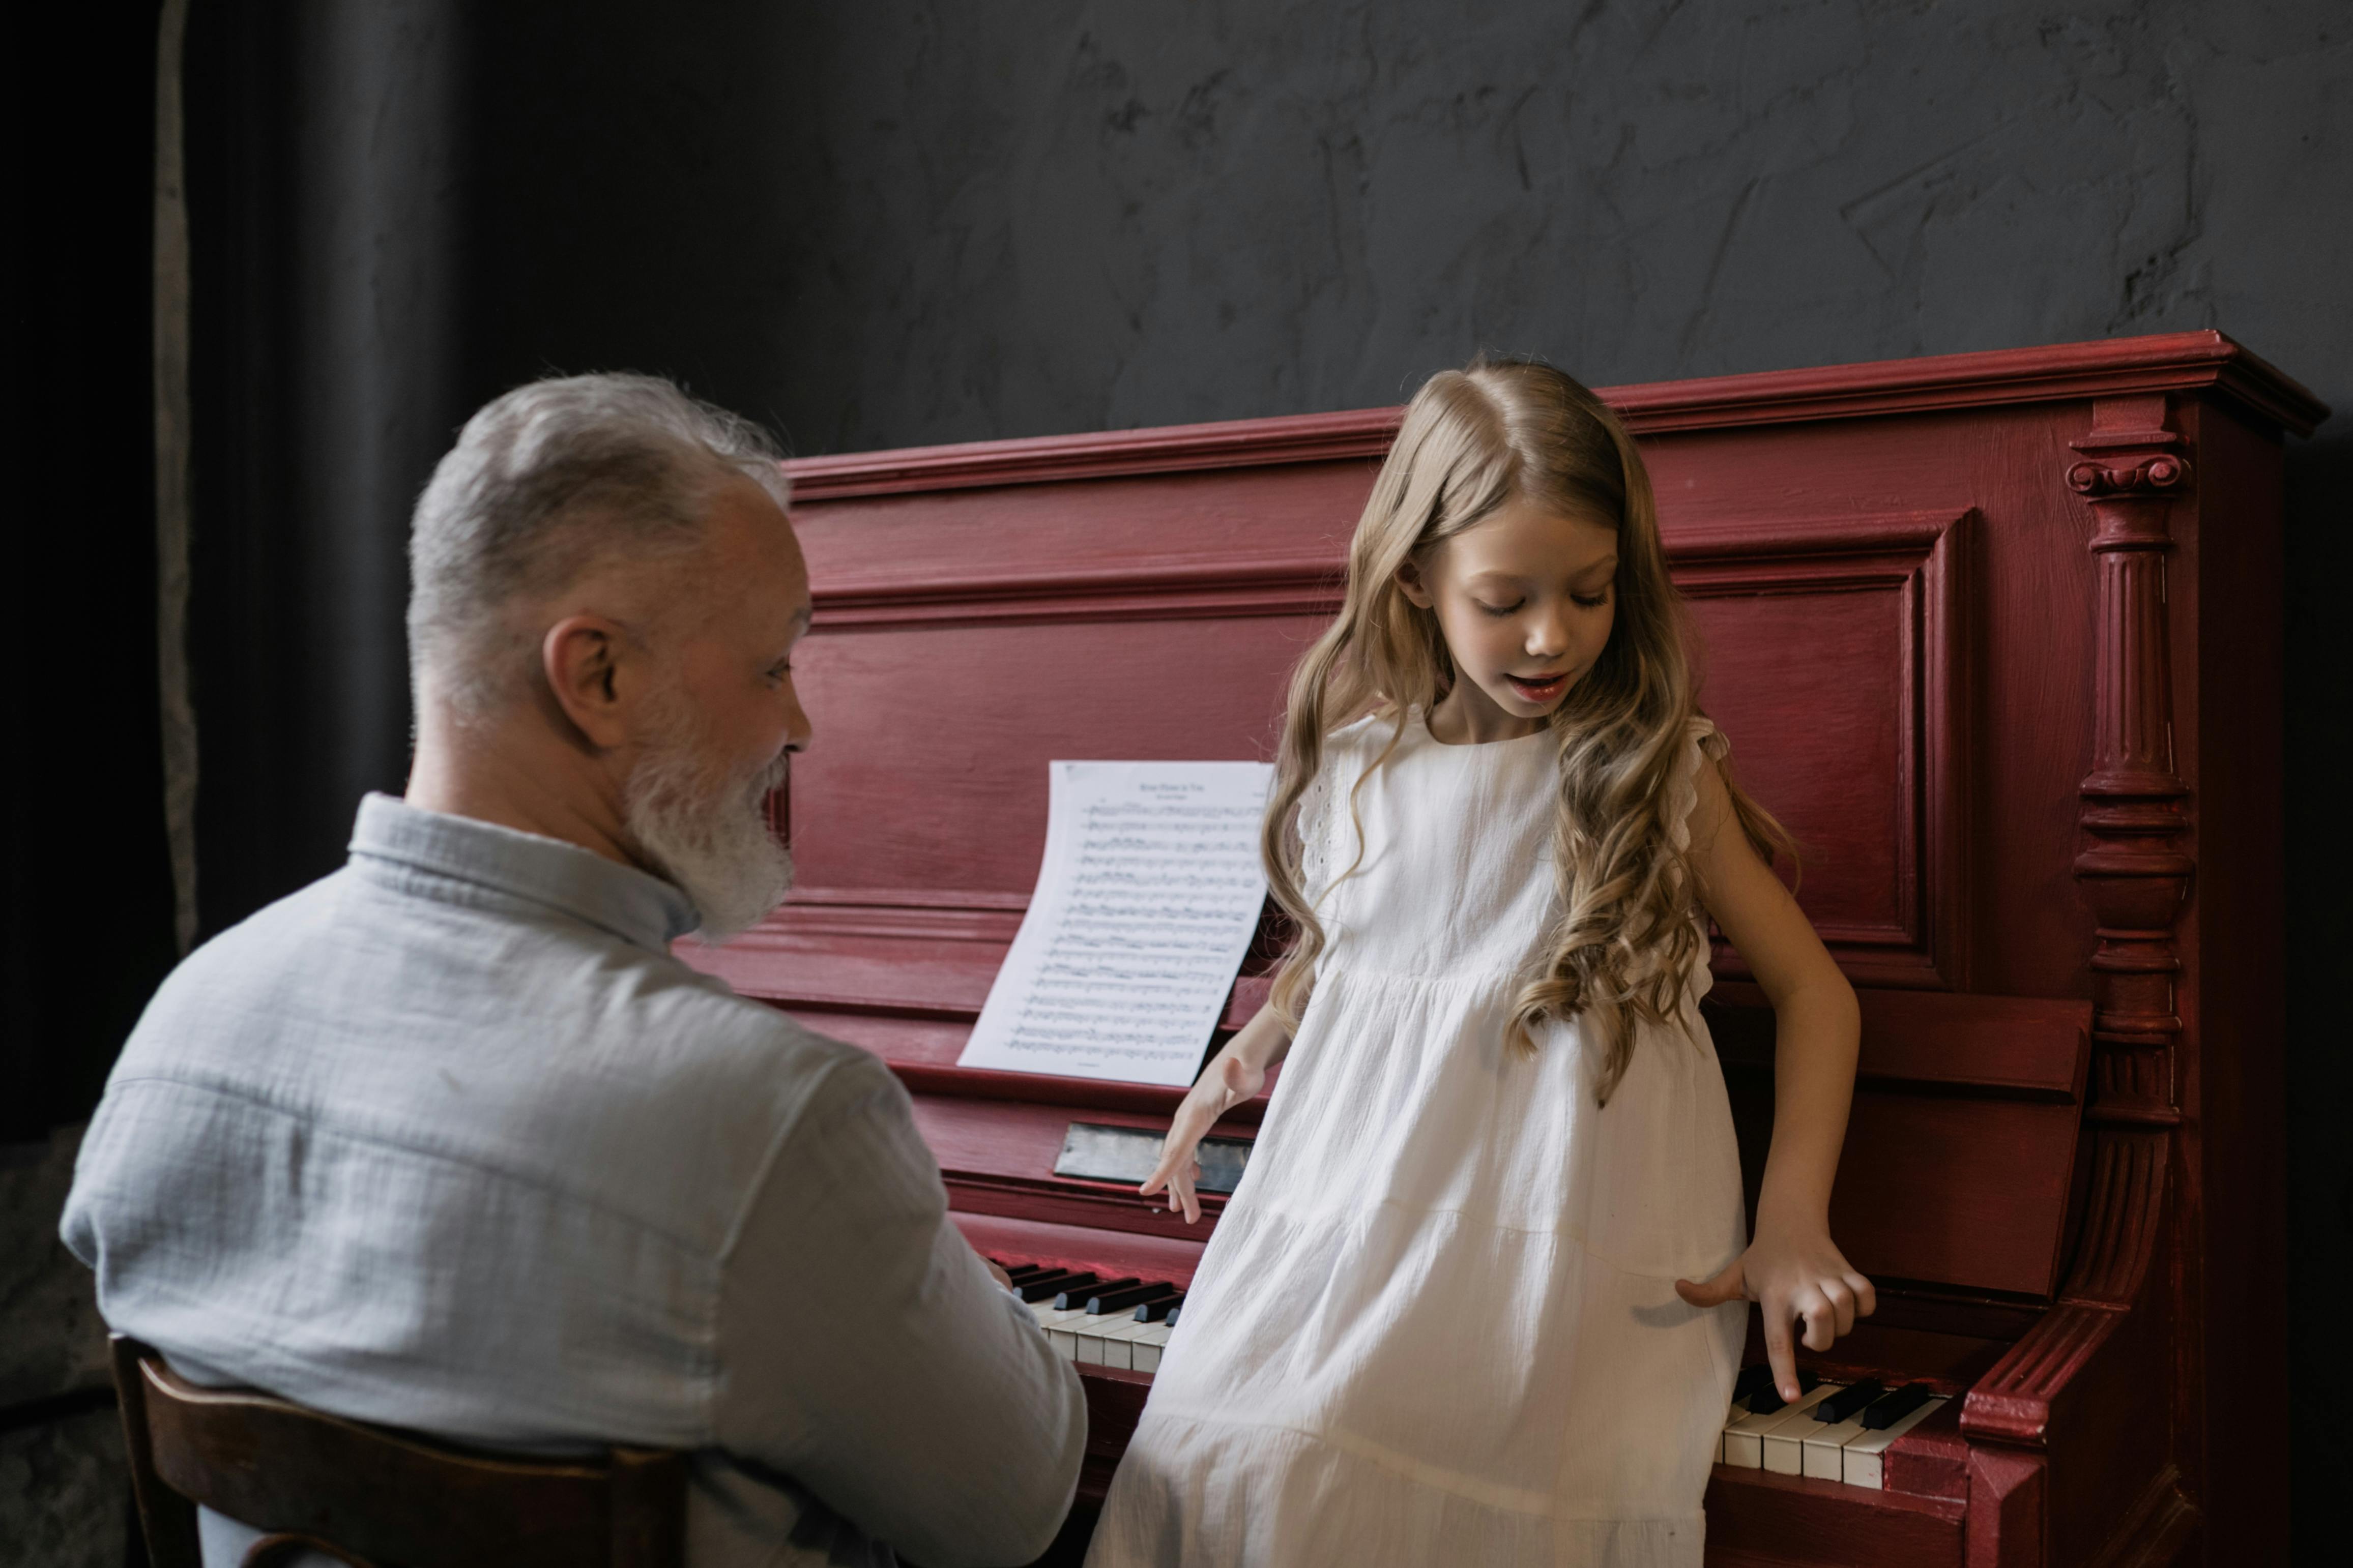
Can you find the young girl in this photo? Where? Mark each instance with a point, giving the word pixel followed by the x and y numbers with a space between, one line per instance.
pixel 1450 1315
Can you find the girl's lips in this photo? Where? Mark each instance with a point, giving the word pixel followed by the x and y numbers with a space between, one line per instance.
pixel 1539 690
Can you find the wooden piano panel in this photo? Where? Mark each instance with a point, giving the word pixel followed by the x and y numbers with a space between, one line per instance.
pixel 2022 683
pixel 993 539
pixel 1957 1192
pixel 1835 656
pixel 1960 1155
pixel 945 792
pixel 1807 677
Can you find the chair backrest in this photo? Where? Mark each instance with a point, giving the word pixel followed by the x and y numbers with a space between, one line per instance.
pixel 377 1498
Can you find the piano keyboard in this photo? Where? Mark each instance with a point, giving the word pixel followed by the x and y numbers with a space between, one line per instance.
pixel 1118 1323
pixel 1833 1432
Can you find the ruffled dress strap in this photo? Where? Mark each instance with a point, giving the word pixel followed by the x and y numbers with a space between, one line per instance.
pixel 1702 741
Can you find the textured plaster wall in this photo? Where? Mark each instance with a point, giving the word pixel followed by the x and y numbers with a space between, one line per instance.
pixel 941 221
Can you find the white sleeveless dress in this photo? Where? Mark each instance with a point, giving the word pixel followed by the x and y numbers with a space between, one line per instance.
pixel 1438 1323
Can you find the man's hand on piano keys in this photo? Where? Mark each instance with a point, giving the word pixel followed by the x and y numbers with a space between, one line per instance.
pixel 1228 1080
pixel 1795 1276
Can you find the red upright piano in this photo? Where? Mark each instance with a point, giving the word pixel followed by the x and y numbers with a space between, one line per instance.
pixel 1995 635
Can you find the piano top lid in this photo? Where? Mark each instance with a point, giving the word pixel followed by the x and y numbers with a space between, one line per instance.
pixel 2171 362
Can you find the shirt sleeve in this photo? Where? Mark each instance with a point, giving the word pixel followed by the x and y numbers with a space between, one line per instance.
pixel 865 1352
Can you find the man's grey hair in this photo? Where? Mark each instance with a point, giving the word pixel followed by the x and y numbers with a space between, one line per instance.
pixel 550 480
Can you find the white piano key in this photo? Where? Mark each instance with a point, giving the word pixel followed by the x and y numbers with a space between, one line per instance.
pixel 1145 1343
pixel 1785 1446
pixel 1109 1339
pixel 1048 1314
pixel 1144 1351
pixel 1789 1450
pixel 1061 1328
pixel 1863 1460
pixel 1117 1341
pixel 1824 1445
pixel 1739 1409
pixel 1062 1324
pixel 1811 1448
pixel 1102 1339
pixel 1744 1440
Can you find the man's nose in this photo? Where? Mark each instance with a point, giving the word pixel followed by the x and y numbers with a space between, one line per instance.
pixel 798 731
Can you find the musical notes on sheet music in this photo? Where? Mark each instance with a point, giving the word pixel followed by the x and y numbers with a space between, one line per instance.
pixel 1146 903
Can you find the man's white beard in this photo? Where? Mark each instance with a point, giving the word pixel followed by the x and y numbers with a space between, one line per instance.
pixel 707 830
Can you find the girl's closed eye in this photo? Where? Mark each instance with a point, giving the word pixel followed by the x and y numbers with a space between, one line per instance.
pixel 1499 610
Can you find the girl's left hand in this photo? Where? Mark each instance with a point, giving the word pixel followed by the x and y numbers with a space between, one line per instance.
pixel 1795 1273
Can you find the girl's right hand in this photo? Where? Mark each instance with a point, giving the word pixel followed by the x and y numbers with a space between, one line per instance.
pixel 1229 1081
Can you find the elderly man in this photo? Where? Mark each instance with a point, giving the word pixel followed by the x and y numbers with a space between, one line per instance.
pixel 449 1141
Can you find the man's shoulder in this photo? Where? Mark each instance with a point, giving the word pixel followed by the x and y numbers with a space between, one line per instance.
pixel 709 1041
pixel 255 957
pixel 663 1058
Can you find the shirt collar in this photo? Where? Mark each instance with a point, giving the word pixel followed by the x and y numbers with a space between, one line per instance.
pixel 631 904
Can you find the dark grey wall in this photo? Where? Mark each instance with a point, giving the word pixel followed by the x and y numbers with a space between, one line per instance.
pixel 1053 216
pixel 897 222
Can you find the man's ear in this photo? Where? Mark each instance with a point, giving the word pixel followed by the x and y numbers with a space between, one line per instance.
pixel 1409 579
pixel 590 665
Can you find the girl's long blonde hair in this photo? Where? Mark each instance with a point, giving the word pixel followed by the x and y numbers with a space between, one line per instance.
pixel 1471 441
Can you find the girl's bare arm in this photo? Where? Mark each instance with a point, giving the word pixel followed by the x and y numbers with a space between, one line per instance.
pixel 1233 1075
pixel 1792 1268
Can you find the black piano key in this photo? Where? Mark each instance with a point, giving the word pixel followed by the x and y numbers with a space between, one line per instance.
pixel 1117 1301
pixel 1021 1271
pixel 1768 1399
pixel 1153 1312
pixel 1076 1292
pixel 1887 1411
pixel 1172 1314
pixel 1046 1286
pixel 1751 1379
pixel 1847 1401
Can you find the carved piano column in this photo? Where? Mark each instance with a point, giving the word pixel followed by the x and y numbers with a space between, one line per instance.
pixel 2135 875
pixel 2136 872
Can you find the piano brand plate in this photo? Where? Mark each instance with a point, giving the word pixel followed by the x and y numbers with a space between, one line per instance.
pixel 1994 635
pixel 1093 1152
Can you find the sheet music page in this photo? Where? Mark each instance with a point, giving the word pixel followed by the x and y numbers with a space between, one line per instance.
pixel 1146 903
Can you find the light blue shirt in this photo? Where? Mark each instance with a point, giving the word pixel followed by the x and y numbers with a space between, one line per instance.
pixel 449 1141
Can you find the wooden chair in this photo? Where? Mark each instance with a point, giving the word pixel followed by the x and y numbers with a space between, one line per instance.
pixel 376 1499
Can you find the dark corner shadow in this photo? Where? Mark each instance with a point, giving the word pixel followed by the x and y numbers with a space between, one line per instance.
pixel 2319 698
